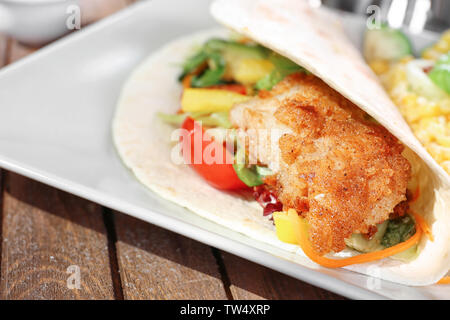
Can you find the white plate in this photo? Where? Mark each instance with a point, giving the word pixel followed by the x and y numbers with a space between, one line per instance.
pixel 55 118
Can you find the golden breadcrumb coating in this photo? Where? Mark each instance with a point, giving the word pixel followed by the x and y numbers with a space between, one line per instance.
pixel 338 168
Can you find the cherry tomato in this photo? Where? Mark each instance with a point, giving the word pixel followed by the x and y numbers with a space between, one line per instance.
pixel 219 175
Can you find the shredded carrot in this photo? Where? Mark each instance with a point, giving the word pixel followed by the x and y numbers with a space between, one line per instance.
pixel 444 280
pixel 187 81
pixel 416 195
pixel 301 230
pixel 423 225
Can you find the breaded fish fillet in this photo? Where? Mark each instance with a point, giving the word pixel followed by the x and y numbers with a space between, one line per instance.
pixel 340 170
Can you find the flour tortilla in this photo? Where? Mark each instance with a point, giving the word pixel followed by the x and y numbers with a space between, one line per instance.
pixel 146 144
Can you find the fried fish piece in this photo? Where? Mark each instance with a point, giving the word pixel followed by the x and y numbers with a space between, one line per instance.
pixel 338 168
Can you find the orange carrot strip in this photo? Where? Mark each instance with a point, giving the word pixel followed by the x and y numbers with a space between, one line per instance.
pixel 301 230
pixel 423 225
pixel 187 81
pixel 444 280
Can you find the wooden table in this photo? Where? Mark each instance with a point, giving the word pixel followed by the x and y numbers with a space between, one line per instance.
pixel 43 231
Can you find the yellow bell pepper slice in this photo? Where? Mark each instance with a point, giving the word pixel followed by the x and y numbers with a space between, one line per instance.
pixel 284 228
pixel 210 100
pixel 249 71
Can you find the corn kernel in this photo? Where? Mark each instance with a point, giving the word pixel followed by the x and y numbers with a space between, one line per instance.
pixel 406 59
pixel 446 166
pixel 439 153
pixel 395 77
pixel 379 66
pixel 444 106
pixel 431 54
pixel 443 140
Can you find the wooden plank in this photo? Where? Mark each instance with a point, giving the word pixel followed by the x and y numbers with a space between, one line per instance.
pixel 1 217
pixel 45 232
pixel 3 47
pixel 158 264
pixel 86 245
pixel 251 281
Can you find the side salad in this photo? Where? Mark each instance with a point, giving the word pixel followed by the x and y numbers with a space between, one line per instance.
pixel 419 86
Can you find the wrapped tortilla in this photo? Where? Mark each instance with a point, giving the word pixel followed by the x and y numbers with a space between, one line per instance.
pixel 314 39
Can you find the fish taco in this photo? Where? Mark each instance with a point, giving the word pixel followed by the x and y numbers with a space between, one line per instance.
pixel 286 135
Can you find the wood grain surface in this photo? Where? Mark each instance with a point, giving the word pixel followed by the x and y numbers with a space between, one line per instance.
pixel 3 49
pixel 159 264
pixel 251 281
pixel 43 231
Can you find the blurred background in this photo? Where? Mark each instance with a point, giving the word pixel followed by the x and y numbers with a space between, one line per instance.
pixel 37 22
pixel 415 15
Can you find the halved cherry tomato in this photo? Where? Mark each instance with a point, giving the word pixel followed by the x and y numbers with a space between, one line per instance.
pixel 219 175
